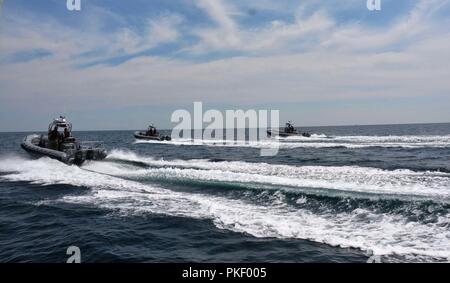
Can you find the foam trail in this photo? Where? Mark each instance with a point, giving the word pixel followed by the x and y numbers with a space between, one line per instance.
pixel 406 138
pixel 432 185
pixel 322 141
pixel 385 234
pixel 376 139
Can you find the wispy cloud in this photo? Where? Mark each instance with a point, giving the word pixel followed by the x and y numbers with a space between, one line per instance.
pixel 266 38
pixel 156 31
pixel 407 30
pixel 25 56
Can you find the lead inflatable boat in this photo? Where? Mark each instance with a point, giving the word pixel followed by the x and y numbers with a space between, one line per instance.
pixel 63 146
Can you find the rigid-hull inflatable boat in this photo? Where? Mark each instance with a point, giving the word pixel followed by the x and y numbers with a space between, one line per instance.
pixel 62 146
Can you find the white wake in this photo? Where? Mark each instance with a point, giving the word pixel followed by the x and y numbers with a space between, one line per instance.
pixel 384 234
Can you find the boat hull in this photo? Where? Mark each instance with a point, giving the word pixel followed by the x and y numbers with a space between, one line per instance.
pixel 143 136
pixel 77 156
pixel 285 135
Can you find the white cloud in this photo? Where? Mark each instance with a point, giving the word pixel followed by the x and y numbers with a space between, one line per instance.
pixel 157 31
pixel 407 30
pixel 67 42
pixel 316 30
pixel 313 76
pixel 227 36
pixel 226 33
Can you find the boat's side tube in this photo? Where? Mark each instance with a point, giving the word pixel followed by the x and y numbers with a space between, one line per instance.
pixel 41 151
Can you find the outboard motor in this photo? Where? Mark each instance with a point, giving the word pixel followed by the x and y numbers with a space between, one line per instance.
pixel 79 157
pixel 90 154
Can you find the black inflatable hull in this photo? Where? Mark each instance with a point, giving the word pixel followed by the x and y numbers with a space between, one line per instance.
pixel 285 135
pixel 143 136
pixel 77 157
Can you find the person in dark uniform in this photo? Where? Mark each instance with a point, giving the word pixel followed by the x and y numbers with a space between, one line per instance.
pixel 60 140
pixel 53 139
pixel 66 133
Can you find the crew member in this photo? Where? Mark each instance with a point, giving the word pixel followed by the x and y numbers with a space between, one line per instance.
pixel 53 139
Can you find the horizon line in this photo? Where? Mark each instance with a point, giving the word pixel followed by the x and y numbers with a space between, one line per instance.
pixel 323 126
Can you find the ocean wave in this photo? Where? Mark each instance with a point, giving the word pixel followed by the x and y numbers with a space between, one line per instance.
pixel 382 233
pixel 367 180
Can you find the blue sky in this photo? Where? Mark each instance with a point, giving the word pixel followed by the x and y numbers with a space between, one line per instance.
pixel 122 64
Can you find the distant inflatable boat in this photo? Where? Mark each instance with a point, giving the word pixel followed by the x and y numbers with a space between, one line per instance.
pixel 288 131
pixel 151 134
pixel 285 135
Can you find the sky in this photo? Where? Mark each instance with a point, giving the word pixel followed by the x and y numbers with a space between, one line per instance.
pixel 120 64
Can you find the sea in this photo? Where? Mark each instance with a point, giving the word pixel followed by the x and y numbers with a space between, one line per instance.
pixel 346 194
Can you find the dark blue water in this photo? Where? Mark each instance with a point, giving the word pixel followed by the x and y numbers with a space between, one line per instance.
pixel 338 196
